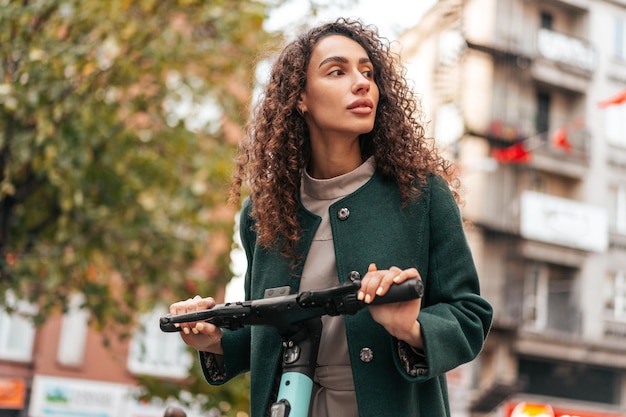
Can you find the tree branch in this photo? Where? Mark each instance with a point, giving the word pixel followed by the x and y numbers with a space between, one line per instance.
pixel 5 151
pixel 34 232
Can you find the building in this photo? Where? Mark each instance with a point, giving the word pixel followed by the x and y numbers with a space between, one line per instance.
pixel 529 98
pixel 64 368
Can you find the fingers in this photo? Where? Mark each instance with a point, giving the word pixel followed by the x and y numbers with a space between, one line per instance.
pixel 377 282
pixel 204 328
pixel 406 274
pixel 200 335
pixel 191 305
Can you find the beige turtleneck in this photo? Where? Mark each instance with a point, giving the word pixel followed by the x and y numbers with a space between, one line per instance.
pixel 335 393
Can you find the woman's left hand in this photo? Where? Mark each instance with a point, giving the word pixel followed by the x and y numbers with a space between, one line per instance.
pixel 399 319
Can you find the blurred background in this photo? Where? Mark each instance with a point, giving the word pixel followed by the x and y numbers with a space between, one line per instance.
pixel 119 121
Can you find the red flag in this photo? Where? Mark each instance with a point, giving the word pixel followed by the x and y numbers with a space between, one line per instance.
pixel 559 140
pixel 514 153
pixel 619 98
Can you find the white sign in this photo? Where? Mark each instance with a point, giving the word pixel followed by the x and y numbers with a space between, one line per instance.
pixel 64 397
pixel 69 397
pixel 563 222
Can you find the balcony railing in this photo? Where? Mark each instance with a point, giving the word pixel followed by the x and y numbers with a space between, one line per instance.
pixel 573 146
pixel 578 5
pixel 617 240
pixel 568 141
pixel 561 320
pixel 614 328
pixel 565 50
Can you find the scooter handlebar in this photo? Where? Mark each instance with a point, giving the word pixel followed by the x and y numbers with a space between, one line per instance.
pixel 286 310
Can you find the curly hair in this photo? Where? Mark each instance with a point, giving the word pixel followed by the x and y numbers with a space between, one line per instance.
pixel 276 149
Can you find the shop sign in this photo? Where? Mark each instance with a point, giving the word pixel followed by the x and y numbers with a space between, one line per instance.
pixel 12 393
pixel 67 397
pixel 528 409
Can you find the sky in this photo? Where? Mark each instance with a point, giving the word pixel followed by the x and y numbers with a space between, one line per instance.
pixel 391 17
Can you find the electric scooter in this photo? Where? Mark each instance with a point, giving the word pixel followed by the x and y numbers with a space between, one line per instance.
pixel 297 317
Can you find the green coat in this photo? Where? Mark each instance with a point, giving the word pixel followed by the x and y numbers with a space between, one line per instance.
pixel 454 318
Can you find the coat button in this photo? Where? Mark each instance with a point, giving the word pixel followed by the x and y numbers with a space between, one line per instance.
pixel 366 355
pixel 354 275
pixel 343 213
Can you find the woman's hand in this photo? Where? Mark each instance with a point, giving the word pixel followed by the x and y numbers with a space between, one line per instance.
pixel 200 335
pixel 399 319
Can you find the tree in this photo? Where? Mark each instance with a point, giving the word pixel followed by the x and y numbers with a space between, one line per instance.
pixel 118 121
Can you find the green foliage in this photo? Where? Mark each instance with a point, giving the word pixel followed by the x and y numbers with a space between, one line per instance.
pixel 230 399
pixel 118 123
pixel 112 181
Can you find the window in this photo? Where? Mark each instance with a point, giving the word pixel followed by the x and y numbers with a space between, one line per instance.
pixel 615 295
pixel 615 124
pixel 542 124
pixel 617 208
pixel 619 39
pixel 156 353
pixel 547 20
pixel 451 45
pixel 550 299
pixel 533 298
pixel 74 329
pixel 576 381
pixel 17 331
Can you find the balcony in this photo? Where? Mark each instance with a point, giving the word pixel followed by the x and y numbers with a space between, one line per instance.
pixel 540 302
pixel 617 241
pixel 554 329
pixel 547 224
pixel 614 328
pixel 616 158
pixel 563 61
pixel 560 152
pixel 581 6
pixel 564 151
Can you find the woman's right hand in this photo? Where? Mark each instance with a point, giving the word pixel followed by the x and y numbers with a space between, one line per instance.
pixel 200 335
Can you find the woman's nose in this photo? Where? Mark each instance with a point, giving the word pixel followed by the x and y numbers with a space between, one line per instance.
pixel 361 82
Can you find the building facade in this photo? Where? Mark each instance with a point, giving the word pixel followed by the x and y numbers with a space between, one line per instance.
pixel 66 368
pixel 528 97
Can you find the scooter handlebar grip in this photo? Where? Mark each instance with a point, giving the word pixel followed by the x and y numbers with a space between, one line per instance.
pixel 408 290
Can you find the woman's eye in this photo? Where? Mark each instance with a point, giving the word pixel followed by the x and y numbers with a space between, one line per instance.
pixel 368 74
pixel 335 73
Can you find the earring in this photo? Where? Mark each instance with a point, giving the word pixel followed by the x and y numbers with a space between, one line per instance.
pixel 300 111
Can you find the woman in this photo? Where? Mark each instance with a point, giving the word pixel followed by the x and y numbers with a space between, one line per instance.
pixel 343 183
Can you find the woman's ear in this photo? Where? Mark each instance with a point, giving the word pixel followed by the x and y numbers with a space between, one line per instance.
pixel 302 103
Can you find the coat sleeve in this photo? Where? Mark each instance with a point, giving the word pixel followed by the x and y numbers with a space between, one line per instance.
pixel 454 319
pixel 236 343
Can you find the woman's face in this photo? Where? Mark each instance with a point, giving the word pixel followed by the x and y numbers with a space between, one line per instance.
pixel 340 96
